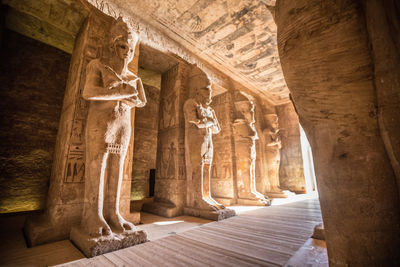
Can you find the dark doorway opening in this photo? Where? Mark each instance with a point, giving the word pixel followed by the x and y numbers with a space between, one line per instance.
pixel 152 182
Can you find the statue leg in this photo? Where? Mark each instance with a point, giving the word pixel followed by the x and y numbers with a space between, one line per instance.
pixel 206 186
pixel 115 174
pixel 253 187
pixel 92 220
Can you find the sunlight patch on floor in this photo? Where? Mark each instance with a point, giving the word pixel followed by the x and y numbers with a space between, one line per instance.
pixel 242 209
pixel 167 222
pixel 295 198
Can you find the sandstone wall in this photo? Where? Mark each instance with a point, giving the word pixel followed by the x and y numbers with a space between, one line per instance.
pixel 291 171
pixel 33 79
pixel 145 144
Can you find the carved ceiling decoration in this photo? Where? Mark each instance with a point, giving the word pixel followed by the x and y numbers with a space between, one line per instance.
pixel 237 37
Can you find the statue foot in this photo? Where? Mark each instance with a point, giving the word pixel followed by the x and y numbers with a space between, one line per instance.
pixel 119 224
pixel 96 227
pixel 213 204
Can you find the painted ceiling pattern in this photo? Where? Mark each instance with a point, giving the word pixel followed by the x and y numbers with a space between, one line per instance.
pixel 236 36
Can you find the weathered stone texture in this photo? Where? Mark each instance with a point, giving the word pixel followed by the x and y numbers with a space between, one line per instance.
pixel 327 65
pixel 291 172
pixel 145 144
pixel 170 187
pixel 238 37
pixel 33 76
pixel 66 193
pixel 383 25
pixel 223 176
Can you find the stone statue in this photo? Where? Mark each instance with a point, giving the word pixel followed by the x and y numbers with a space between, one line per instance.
pixel 200 124
pixel 112 90
pixel 246 136
pixel 273 158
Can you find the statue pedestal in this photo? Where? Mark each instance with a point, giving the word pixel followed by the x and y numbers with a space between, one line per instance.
pixel 253 202
pixel 163 209
pixel 225 201
pixel 210 214
pixel 94 246
pixel 280 194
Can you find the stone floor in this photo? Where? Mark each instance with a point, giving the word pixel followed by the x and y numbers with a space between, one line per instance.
pixel 259 236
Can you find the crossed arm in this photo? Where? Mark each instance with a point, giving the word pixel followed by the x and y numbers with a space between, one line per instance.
pixel 104 84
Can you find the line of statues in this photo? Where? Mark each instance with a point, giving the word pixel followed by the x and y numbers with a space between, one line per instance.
pixel 112 91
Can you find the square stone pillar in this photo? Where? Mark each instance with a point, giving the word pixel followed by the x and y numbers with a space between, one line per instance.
pixel 170 186
pixel 223 178
pixel 66 192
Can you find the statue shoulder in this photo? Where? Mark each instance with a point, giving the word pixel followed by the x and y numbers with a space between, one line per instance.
pixel 94 63
pixel 190 103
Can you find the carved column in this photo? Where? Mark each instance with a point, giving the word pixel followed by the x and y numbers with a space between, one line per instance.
pixel 246 140
pixel 201 124
pixel 66 192
pixel 326 60
pixel 223 179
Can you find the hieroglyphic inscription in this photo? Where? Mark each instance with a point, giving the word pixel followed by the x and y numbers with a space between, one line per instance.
pixel 75 165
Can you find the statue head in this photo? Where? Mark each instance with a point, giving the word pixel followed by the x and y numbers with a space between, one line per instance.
pixel 201 86
pixel 272 121
pixel 122 40
pixel 244 107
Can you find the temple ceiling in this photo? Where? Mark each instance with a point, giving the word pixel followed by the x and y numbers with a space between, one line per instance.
pixel 238 37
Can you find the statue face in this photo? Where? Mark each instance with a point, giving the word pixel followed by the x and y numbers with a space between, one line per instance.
pixel 274 123
pixel 124 49
pixel 205 94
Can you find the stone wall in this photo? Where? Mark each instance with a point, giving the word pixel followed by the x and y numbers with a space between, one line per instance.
pixel 145 144
pixel 33 78
pixel 291 171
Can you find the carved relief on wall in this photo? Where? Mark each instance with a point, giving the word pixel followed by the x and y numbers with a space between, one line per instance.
pixel 75 165
pixel 169 99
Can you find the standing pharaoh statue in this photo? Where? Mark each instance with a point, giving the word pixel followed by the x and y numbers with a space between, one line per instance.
pixel 200 125
pixel 112 90
pixel 273 158
pixel 246 136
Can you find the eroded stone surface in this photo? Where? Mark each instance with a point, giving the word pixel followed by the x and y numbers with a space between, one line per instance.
pixel 94 246
pixel 112 90
pixel 327 64
pixel 201 124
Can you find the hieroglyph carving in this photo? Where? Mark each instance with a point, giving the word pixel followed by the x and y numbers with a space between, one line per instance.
pixel 112 90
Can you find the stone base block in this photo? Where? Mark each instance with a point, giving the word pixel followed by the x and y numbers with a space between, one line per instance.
pixel 253 202
pixel 225 201
pixel 319 232
pixel 91 246
pixel 162 209
pixel 209 214
pixel 39 230
pixel 137 205
pixel 280 194
pixel 133 217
